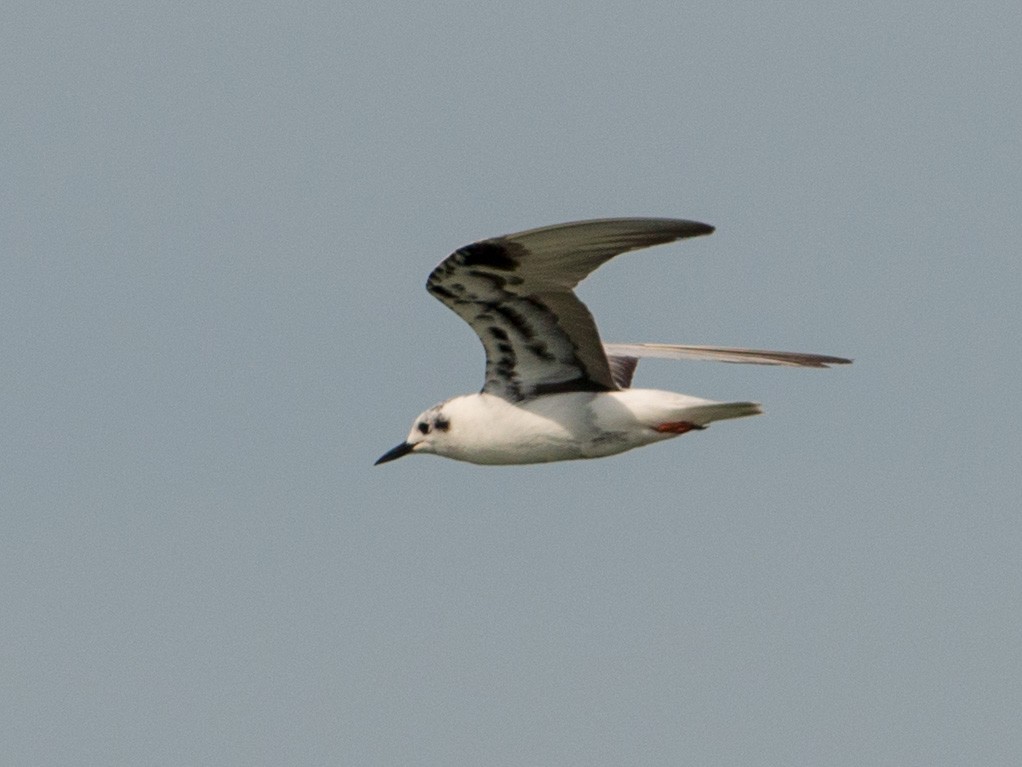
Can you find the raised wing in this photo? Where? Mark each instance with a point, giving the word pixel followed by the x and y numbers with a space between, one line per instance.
pixel 516 293
pixel 723 354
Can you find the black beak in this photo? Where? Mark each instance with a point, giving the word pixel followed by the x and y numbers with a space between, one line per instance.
pixel 392 455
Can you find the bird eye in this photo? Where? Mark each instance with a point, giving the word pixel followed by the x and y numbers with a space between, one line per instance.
pixel 423 427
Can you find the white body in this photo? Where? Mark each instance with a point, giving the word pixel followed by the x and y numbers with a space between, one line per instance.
pixel 487 429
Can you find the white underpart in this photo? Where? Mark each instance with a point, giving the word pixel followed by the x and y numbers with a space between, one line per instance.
pixel 487 429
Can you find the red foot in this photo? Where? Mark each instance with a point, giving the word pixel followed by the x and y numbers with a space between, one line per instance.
pixel 678 427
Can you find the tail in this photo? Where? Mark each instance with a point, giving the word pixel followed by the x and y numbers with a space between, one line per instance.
pixel 701 415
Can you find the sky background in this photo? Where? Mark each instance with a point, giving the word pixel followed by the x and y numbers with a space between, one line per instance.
pixel 217 222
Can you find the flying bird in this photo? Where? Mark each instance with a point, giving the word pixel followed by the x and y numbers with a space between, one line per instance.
pixel 553 390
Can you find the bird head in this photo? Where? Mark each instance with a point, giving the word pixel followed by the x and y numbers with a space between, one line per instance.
pixel 428 434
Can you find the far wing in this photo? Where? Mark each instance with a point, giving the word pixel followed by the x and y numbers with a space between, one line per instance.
pixel 724 354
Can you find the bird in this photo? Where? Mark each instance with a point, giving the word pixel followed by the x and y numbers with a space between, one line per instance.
pixel 553 390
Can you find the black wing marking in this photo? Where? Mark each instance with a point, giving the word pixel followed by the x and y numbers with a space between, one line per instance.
pixel 516 293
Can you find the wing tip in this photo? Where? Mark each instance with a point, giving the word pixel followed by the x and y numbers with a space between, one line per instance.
pixel 825 361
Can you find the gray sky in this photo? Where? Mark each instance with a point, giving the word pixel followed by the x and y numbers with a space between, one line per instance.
pixel 217 224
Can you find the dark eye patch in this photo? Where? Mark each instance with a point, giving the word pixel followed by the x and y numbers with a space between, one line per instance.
pixel 423 427
pixel 442 424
